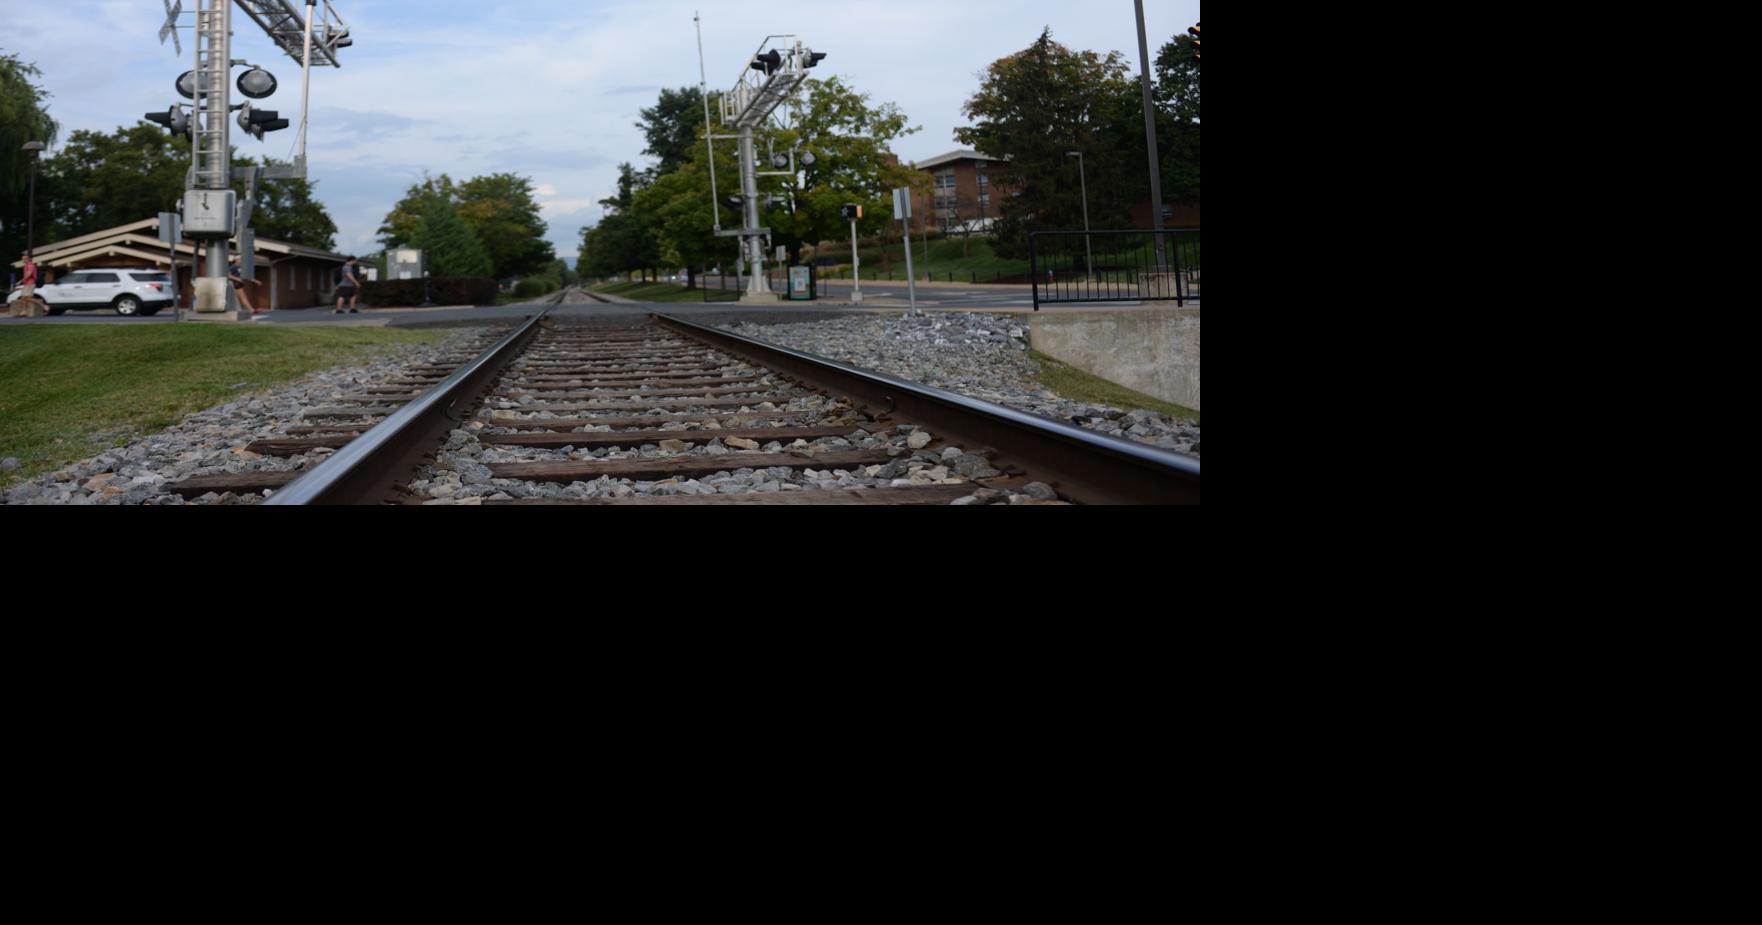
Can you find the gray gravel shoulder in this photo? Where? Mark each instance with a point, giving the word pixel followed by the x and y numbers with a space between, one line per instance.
pixel 978 355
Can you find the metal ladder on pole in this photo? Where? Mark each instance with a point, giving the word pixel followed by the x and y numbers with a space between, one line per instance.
pixel 213 162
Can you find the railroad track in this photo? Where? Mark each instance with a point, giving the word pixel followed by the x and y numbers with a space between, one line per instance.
pixel 671 402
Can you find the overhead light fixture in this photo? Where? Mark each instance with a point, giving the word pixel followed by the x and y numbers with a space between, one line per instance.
pixel 257 83
pixel 808 159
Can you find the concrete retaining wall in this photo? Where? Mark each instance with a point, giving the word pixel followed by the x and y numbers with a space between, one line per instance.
pixel 1150 350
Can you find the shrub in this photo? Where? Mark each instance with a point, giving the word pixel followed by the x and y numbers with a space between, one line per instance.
pixel 535 286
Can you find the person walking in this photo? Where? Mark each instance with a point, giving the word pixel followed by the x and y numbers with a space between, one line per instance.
pixel 238 285
pixel 348 287
pixel 27 289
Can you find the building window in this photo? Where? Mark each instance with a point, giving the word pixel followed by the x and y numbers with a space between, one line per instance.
pixel 945 181
pixel 984 181
pixel 985 199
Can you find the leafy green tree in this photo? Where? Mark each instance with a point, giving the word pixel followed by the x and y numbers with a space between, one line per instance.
pixel 24 117
pixel 287 210
pixel 404 222
pixel 451 247
pixel 1177 130
pixel 673 128
pixel 501 211
pixel 1035 106
pixel 100 180
pixel 625 239
pixel 850 138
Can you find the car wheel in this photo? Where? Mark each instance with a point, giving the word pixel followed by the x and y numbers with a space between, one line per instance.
pixel 127 306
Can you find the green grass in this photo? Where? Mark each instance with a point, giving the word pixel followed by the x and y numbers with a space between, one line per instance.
pixel 69 392
pixel 651 292
pixel 1077 385
pixel 945 258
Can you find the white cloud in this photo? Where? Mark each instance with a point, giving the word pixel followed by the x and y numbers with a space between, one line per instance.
pixel 546 88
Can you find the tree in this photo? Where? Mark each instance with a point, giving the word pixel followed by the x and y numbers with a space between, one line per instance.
pixel 674 129
pixel 404 222
pixel 1035 106
pixel 287 211
pixel 23 118
pixel 624 240
pixel 1177 129
pixel 850 138
pixel 501 211
pixel 451 248
pixel 100 181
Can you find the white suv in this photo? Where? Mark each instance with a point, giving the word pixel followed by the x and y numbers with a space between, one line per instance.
pixel 125 291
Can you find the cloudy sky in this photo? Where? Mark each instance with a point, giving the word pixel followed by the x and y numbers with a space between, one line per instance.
pixel 545 88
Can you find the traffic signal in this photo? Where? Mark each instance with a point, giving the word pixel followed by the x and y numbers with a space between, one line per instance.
pixel 258 122
pixel 1195 33
pixel 174 119
pixel 851 212
pixel 770 63
pixel 812 58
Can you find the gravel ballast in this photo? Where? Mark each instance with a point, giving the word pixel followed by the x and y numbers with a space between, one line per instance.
pixel 978 355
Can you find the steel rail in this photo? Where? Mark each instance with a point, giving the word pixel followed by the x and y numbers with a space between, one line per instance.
pixel 1089 468
pixel 359 473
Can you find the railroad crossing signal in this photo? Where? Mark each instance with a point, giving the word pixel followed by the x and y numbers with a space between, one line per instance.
pixel 1195 33
pixel 257 122
pixel 174 119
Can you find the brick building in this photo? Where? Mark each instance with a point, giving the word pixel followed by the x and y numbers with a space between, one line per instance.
pixel 966 187
pixel 292 276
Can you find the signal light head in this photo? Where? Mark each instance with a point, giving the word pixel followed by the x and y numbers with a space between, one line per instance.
pixel 173 119
pixel 257 83
pixel 812 58
pixel 771 62
pixel 808 159
pixel 258 122
pixel 779 161
pixel 186 85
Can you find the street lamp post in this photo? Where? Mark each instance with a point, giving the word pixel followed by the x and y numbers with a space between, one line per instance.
pixel 35 150
pixel 1150 142
pixel 1088 249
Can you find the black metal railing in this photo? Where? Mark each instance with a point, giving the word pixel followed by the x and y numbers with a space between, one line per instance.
pixel 1069 267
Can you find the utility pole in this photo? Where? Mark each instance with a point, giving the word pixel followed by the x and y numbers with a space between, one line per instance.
pixel 35 150
pixel 211 210
pixel 766 83
pixel 853 212
pixel 1088 248
pixel 902 211
pixel 1150 142
pixel 210 205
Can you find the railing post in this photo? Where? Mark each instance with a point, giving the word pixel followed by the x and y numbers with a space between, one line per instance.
pixel 1034 267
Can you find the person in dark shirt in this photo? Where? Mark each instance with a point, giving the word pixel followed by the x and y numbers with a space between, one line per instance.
pixel 348 287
